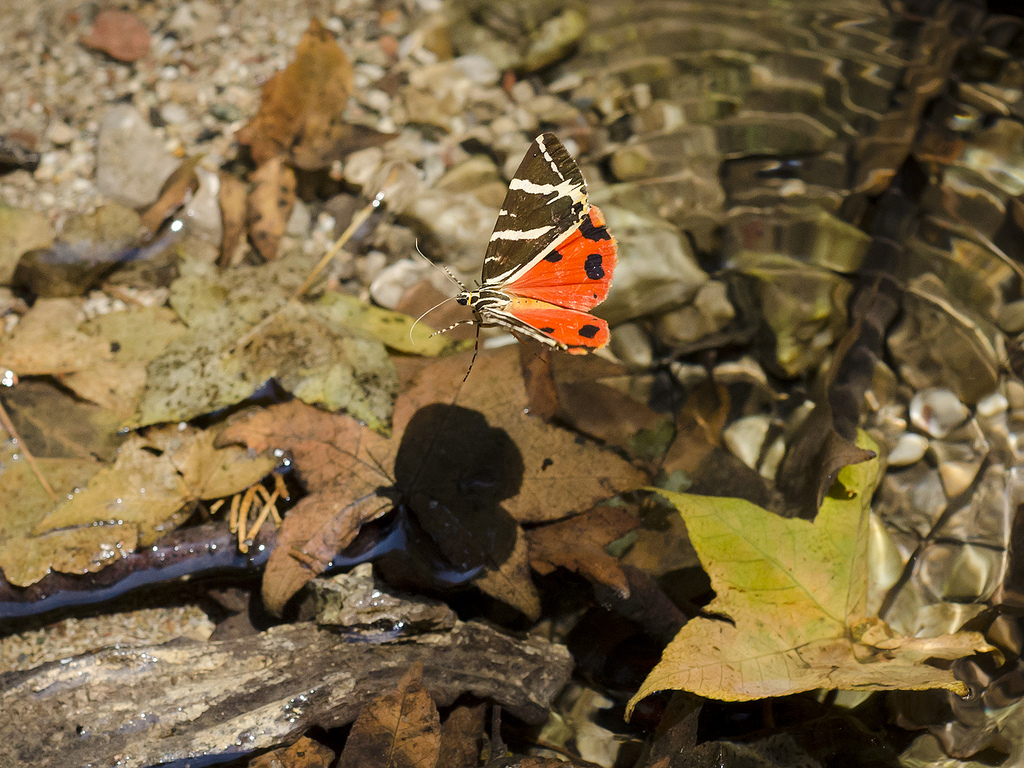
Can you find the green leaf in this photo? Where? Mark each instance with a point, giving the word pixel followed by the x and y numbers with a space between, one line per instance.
pixel 793 593
pixel 392 328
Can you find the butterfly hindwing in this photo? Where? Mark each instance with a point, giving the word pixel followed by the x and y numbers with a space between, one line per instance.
pixel 566 329
pixel 577 272
pixel 546 200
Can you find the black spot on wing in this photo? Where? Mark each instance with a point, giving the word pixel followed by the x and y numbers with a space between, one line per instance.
pixel 545 464
pixel 553 257
pixel 593 266
pixel 589 331
pixel 589 231
pixel 547 330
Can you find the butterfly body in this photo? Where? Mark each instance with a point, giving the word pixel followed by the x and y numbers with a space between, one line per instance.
pixel 550 258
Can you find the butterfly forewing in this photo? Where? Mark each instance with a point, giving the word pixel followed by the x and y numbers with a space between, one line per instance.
pixel 577 272
pixel 546 201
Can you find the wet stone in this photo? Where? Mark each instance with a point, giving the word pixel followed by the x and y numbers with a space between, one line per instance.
pixel 909 449
pixel 744 438
pixel 936 411
pixel 357 602
pixel 127 143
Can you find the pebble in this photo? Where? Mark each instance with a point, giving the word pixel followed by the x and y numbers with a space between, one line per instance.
pixel 127 143
pixel 992 405
pixel 361 166
pixel 203 210
pixel 370 266
pixel 61 134
pixel 745 436
pixel 300 222
pixel 936 411
pixel 457 224
pixel 709 313
pixel 909 449
pixel 1010 317
pixel 632 345
pixel 391 284
pixel 174 114
pixel 478 69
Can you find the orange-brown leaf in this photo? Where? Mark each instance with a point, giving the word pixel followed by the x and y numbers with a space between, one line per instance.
pixel 270 204
pixel 578 543
pixel 232 198
pixel 176 189
pixel 301 108
pixel 304 753
pixel 401 729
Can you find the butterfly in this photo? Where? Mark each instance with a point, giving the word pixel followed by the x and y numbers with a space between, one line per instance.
pixel 550 258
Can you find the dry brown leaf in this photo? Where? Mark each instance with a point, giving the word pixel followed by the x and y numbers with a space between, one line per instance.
pixel 270 204
pixel 509 580
pixel 300 113
pixel 461 737
pixel 144 494
pixel 47 341
pixel 182 183
pixel 562 474
pixel 118 34
pixel 315 530
pixel 232 198
pixel 401 729
pixel 304 753
pixel 578 545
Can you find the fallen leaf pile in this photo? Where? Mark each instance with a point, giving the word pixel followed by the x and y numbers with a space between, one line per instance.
pixel 471 474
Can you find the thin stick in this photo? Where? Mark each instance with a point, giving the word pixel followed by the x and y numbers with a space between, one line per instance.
pixel 264 513
pixel 357 221
pixel 8 425
pixel 236 500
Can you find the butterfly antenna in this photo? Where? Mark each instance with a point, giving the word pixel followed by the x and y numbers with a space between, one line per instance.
pixel 440 267
pixel 427 313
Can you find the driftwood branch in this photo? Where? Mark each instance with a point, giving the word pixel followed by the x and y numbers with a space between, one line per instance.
pixel 165 703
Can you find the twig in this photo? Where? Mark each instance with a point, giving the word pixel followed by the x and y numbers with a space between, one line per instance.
pixel 8 425
pixel 357 221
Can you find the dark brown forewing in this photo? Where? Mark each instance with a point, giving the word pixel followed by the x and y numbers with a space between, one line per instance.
pixel 546 200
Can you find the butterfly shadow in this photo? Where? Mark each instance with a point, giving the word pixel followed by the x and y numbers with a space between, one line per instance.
pixel 452 472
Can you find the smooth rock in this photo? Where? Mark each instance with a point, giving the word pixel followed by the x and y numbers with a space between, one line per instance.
pixel 709 313
pixel 656 271
pixel 388 288
pixel 126 144
pixel 745 436
pixel 909 449
pixel 632 345
pixel 203 212
pixel 1010 317
pixel 936 411
pixel 992 405
pixel 478 69
pixel 300 222
pixel 455 227
pixel 61 134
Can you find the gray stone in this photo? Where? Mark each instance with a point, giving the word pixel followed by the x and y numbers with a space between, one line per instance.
pixel 656 272
pixel 127 143
pixel 455 227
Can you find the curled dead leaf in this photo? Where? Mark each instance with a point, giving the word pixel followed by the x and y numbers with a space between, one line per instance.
pixel 270 204
pixel 300 114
